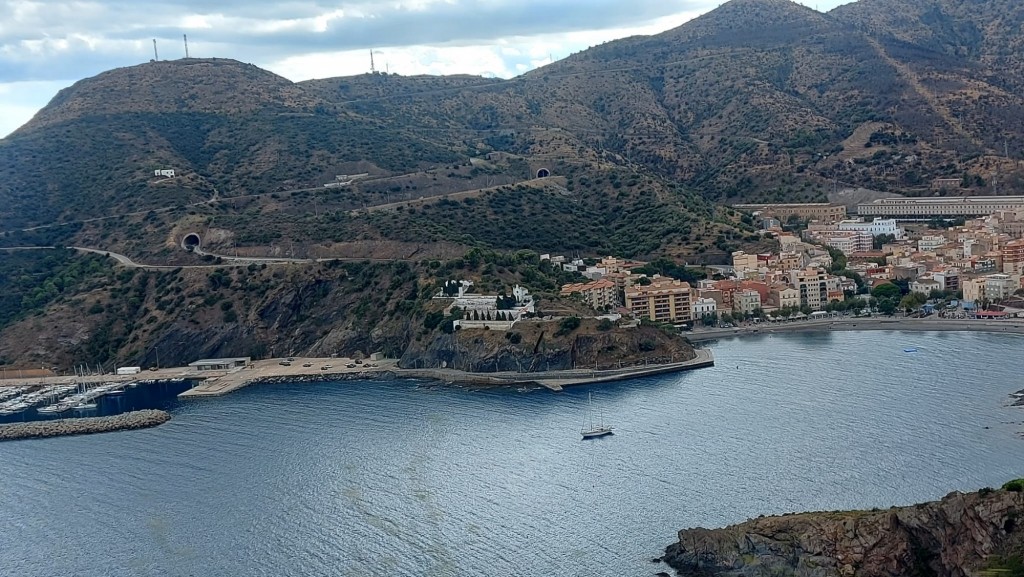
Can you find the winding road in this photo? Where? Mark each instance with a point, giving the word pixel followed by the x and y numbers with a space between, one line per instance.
pixel 229 261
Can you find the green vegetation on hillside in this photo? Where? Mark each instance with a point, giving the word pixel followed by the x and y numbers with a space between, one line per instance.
pixel 34 279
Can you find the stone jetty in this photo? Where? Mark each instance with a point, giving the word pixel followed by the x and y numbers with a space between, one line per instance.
pixel 84 426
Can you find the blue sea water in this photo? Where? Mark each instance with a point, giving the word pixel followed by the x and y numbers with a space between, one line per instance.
pixel 405 478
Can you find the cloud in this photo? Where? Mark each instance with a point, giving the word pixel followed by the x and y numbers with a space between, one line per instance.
pixel 45 41
pixel 19 101
pixel 47 45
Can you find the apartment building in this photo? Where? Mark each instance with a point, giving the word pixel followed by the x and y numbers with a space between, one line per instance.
pixel 599 294
pixel 816 288
pixel 664 300
pixel 1013 256
pixel 783 295
pixel 743 262
pixel 746 302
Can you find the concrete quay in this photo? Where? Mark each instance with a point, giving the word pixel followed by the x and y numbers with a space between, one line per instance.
pixel 220 383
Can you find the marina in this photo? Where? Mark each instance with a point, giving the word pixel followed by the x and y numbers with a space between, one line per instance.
pixel 41 401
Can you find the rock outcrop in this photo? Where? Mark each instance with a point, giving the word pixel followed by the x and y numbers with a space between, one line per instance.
pixel 958 536
pixel 85 426
pixel 536 346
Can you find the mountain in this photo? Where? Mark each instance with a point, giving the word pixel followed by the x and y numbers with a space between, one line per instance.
pixel 630 148
pixel 759 99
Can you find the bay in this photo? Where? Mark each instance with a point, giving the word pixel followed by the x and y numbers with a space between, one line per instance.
pixel 406 478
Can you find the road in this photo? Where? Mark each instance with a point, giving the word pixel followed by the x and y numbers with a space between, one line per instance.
pixel 229 261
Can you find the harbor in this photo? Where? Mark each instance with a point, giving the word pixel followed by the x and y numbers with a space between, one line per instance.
pixel 66 396
pixel 95 397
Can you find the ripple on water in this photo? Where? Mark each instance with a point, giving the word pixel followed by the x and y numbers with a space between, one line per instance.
pixel 366 478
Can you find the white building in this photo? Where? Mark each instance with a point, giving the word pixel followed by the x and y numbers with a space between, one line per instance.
pixel 746 302
pixel 925 285
pixel 876 227
pixel 931 243
pixel 703 306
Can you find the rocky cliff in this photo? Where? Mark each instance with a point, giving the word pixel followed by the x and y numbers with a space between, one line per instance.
pixel 532 346
pixel 960 535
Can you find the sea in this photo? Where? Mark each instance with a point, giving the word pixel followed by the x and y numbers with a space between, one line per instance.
pixel 414 478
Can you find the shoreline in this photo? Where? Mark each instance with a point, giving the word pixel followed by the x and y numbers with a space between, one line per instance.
pixel 860 324
pixel 269 371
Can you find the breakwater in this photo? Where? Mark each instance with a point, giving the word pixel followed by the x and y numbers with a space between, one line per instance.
pixel 86 426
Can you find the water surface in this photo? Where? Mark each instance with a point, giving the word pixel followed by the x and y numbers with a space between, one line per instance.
pixel 398 478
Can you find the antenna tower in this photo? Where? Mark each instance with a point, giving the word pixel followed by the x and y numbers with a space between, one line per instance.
pixel 155 55
pixel 186 45
pixel 373 69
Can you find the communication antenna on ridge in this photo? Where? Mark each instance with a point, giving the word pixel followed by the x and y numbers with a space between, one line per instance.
pixel 186 45
pixel 155 55
pixel 373 69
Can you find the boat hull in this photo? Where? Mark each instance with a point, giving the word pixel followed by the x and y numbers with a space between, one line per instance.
pixel 597 433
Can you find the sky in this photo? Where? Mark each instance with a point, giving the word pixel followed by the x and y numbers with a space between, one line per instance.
pixel 47 45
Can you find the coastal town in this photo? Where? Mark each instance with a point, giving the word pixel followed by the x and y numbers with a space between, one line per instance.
pixel 828 264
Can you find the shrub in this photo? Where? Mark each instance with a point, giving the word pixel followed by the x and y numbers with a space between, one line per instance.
pixel 1017 486
pixel 605 325
pixel 567 325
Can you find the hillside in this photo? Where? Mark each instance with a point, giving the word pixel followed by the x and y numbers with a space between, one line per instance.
pixel 758 99
pixel 87 312
pixel 629 148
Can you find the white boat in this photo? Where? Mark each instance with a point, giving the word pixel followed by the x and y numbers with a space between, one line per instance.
pixel 591 431
pixel 85 407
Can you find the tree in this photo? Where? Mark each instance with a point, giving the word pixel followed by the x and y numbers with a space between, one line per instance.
pixel 912 302
pixel 886 291
pixel 887 307
pixel 881 240
pixel 727 317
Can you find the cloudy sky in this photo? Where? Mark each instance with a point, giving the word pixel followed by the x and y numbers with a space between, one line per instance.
pixel 46 45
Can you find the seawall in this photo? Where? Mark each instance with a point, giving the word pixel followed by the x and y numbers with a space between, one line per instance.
pixel 84 426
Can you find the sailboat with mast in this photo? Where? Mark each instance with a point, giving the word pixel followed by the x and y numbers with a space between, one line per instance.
pixel 589 430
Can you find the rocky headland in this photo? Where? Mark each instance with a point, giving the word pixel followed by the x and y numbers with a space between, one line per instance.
pixel 539 346
pixel 84 426
pixel 961 535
